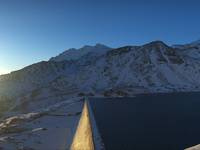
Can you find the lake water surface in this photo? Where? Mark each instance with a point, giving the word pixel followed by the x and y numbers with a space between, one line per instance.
pixel 149 122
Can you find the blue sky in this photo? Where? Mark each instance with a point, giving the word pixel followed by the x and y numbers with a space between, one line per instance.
pixel 35 30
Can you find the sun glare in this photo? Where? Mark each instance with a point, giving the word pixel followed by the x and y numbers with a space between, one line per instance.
pixel 3 71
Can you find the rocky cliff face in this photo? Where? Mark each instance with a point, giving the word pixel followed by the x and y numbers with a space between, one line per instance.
pixel 153 67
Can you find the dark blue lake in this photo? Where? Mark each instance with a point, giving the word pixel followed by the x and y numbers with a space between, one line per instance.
pixel 149 122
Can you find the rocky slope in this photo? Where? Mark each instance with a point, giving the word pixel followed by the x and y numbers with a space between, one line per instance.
pixel 92 70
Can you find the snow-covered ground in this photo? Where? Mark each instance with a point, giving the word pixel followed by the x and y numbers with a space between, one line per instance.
pixel 51 129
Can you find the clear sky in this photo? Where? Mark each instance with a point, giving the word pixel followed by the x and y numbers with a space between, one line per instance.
pixel 35 30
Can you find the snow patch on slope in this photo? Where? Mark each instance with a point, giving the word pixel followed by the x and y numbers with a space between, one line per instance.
pixel 75 54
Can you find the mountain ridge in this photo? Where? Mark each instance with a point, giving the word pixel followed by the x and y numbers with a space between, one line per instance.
pixel 150 68
pixel 75 54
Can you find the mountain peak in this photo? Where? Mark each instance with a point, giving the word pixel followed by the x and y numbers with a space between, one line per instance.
pixel 75 54
pixel 98 45
pixel 197 42
pixel 156 43
pixel 191 44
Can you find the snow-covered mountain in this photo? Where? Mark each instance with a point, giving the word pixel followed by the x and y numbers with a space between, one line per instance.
pixel 192 49
pixel 92 70
pixel 36 91
pixel 75 54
